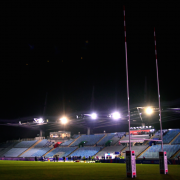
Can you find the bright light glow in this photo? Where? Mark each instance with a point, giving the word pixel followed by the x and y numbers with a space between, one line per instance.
pixel 63 120
pixel 149 110
pixel 116 115
pixel 40 120
pixel 94 116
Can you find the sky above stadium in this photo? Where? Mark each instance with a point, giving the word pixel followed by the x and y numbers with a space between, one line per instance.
pixel 64 49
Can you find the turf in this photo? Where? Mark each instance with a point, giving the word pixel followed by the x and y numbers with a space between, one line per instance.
pixel 22 170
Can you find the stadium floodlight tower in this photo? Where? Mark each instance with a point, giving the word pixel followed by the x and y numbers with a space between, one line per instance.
pixel 94 116
pixel 39 121
pixel 162 155
pixel 64 121
pixel 149 110
pixel 130 155
pixel 116 115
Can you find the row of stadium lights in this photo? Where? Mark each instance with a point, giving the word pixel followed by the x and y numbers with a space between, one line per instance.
pixel 115 116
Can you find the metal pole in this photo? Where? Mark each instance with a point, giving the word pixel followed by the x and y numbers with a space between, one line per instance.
pixel 158 91
pixel 127 77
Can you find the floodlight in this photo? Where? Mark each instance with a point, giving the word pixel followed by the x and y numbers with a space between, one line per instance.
pixel 94 116
pixel 149 110
pixel 63 120
pixel 40 120
pixel 116 115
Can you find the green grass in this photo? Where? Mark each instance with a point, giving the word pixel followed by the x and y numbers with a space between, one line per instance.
pixel 23 170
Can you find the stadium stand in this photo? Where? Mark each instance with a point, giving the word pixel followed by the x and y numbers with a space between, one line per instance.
pixel 168 137
pixel 61 151
pixel 89 139
pixel 14 152
pixel 69 148
pixel 153 151
pixel 86 151
pixel 49 143
pixel 137 149
pixel 177 140
pixel 21 155
pixel 75 136
pixel 126 137
pixel 137 136
pixel 67 143
pixel 105 139
pixel 120 134
pixel 41 152
pixel 115 139
pixel 25 144
pixel 135 139
pixel 3 151
pixel 30 152
pixel 178 154
pixel 8 144
pixel 158 133
pixel 43 143
pixel 110 149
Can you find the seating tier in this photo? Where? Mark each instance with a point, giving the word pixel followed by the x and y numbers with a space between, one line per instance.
pixel 25 144
pixel 105 139
pixel 14 152
pixel 61 151
pixel 41 152
pixel 90 139
pixel 168 137
pixel 86 151
pixel 153 151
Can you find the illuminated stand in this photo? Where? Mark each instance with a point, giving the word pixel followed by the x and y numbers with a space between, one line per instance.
pixel 130 155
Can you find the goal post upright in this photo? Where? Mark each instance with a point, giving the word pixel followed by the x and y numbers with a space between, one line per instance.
pixel 163 166
pixel 130 155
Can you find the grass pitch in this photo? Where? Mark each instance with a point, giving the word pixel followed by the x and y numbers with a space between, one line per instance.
pixel 24 170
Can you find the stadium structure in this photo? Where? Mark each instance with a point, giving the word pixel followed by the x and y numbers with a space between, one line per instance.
pixel 61 144
pixel 99 146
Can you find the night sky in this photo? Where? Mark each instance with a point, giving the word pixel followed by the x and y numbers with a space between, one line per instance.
pixel 66 48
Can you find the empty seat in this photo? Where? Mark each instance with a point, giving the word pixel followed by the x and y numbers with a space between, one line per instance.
pixel 89 139
pixel 41 151
pixel 86 151
pixel 14 152
pixel 25 144
pixel 41 144
pixel 61 151
pixel 107 138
